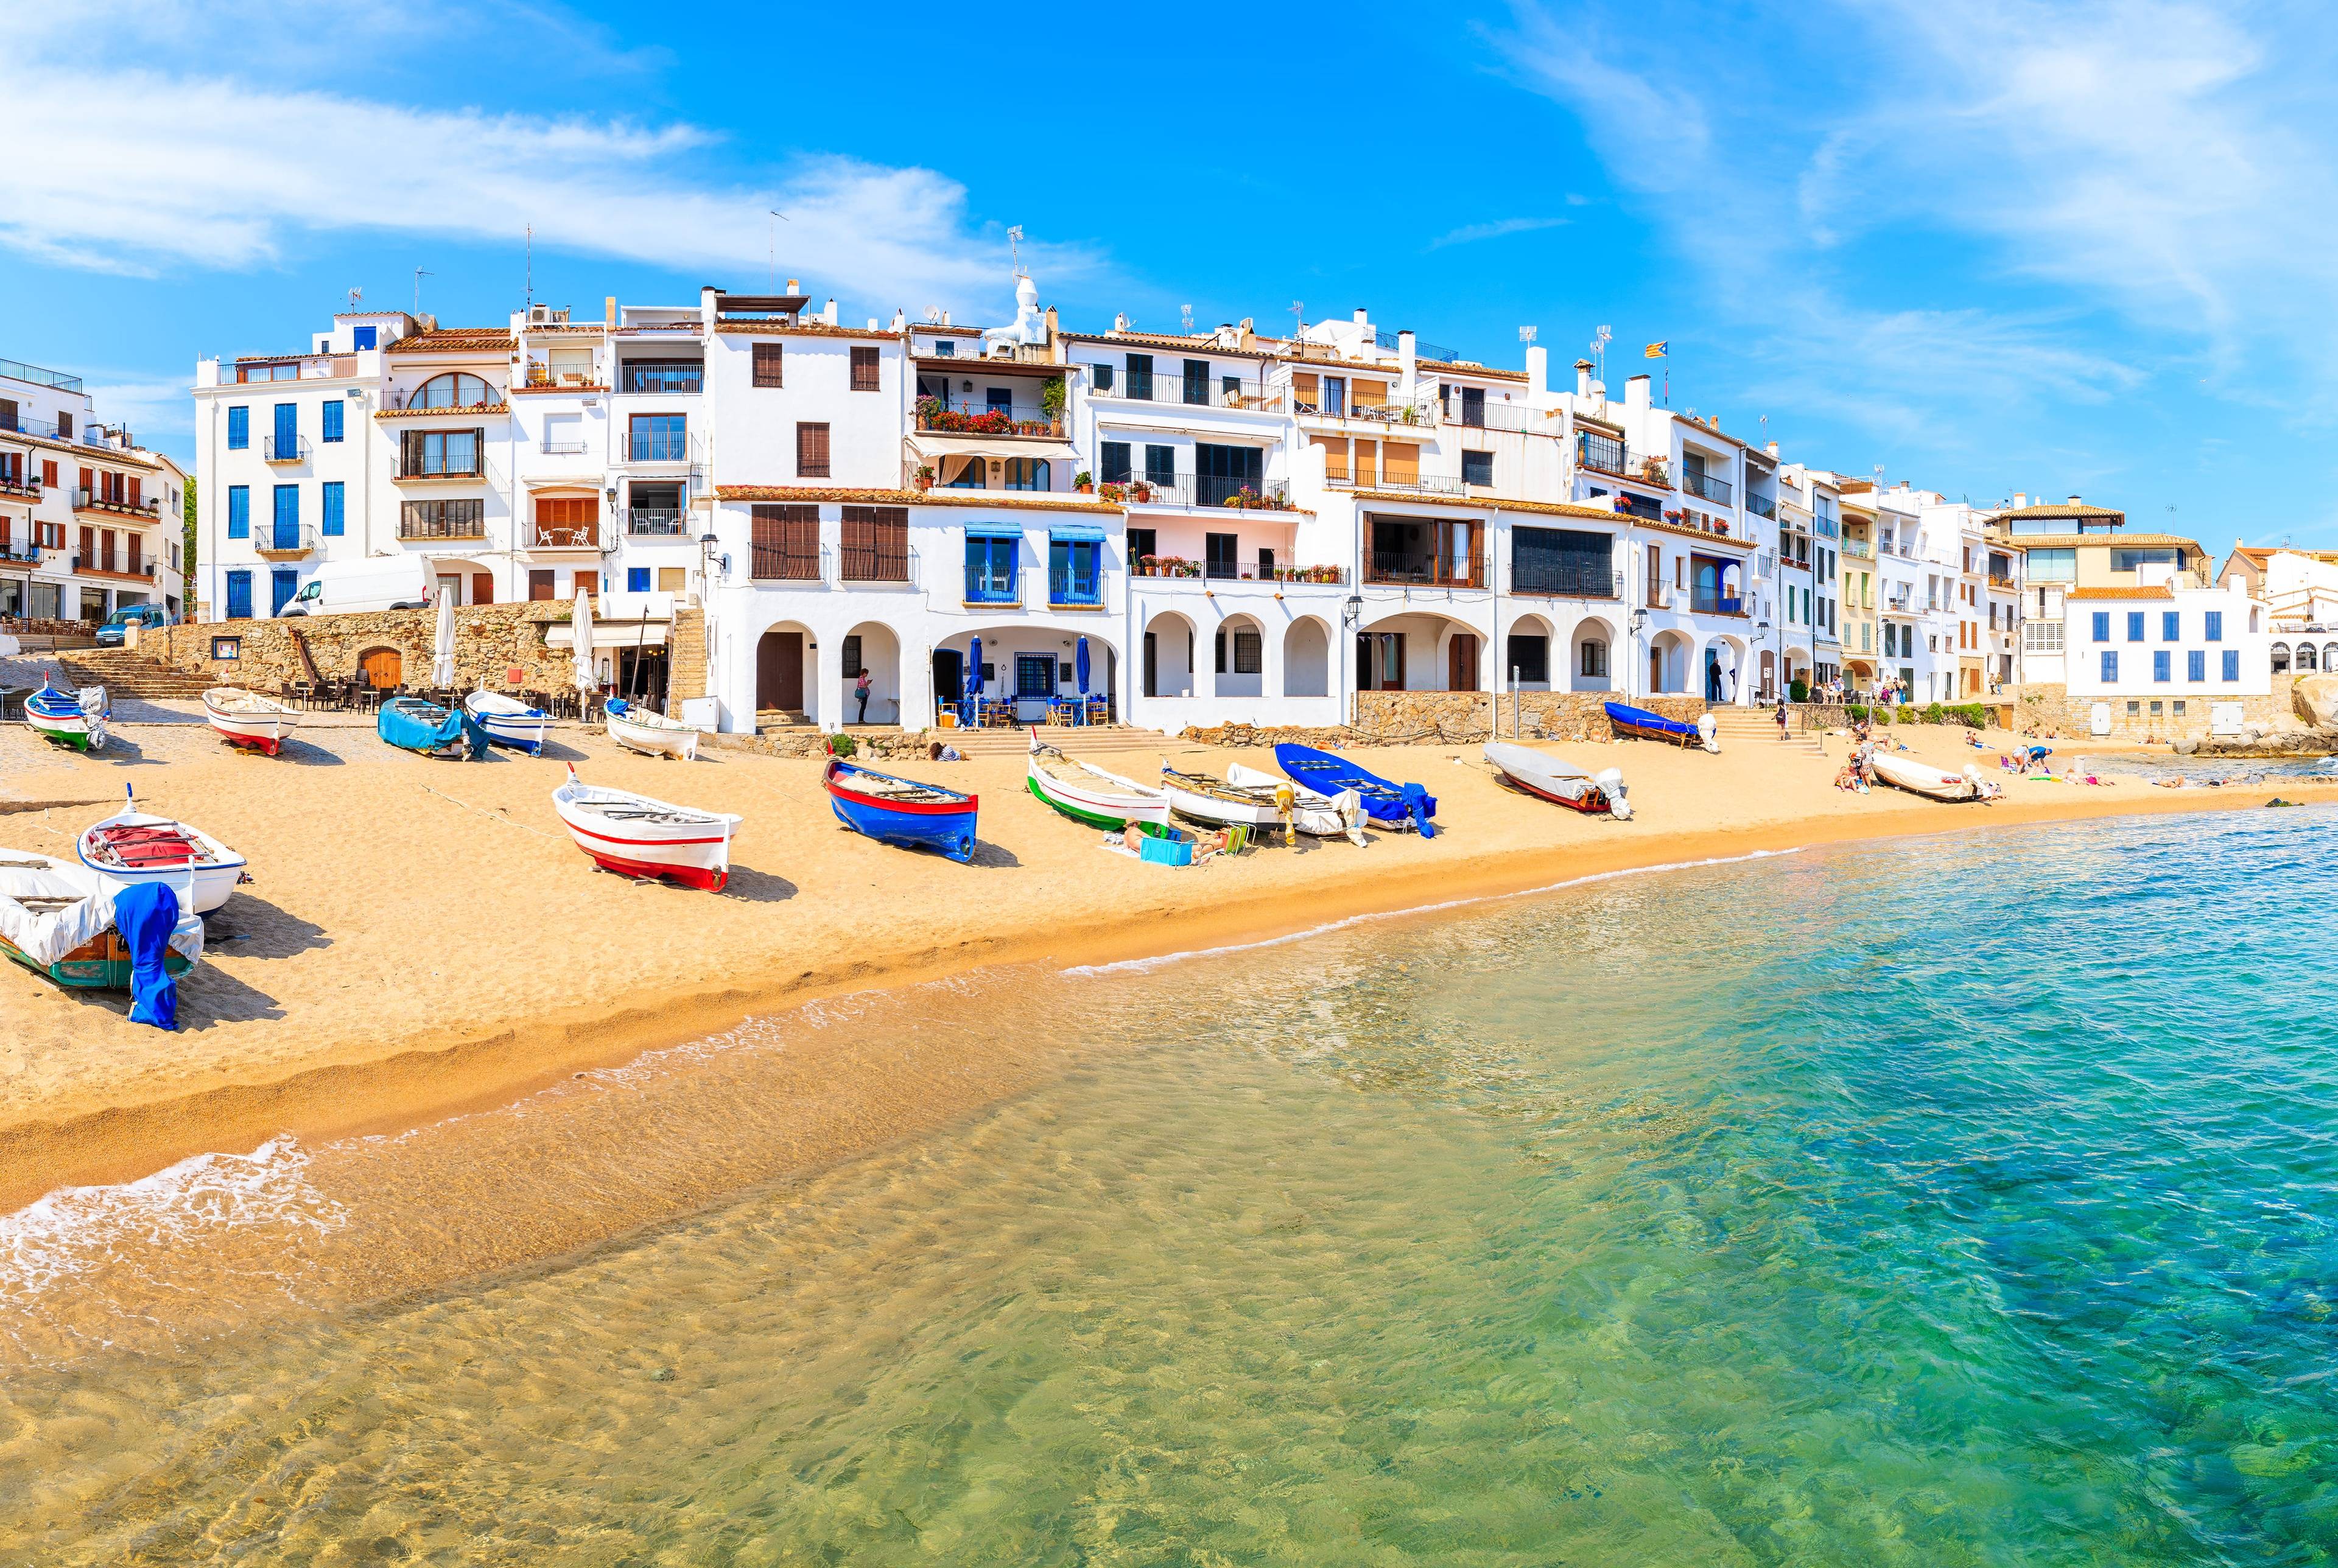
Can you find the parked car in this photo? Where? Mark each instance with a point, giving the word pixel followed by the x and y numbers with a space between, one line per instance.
pixel 375 583
pixel 114 632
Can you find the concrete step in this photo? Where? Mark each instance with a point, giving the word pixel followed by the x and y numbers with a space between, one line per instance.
pixel 129 675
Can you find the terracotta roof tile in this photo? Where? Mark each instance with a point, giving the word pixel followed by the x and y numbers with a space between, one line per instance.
pixel 456 340
pixel 2062 511
pixel 2157 591
pixel 447 413
pixel 801 493
pixel 807 329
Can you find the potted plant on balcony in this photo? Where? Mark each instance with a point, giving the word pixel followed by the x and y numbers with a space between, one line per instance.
pixel 1673 515
pixel 1084 482
pixel 1112 492
pixel 922 476
pixel 1051 404
pixel 1140 491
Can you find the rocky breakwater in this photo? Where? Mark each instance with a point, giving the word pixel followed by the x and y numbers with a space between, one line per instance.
pixel 2314 699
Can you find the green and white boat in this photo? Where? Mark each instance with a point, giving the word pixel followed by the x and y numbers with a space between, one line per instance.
pixel 1086 793
pixel 74 718
pixel 57 917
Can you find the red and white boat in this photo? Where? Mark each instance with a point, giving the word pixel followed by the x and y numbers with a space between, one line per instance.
pixel 1559 781
pixel 638 837
pixel 247 719
pixel 134 845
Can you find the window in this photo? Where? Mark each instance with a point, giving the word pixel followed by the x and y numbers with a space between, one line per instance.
pixel 1072 572
pixel 811 451
pixel 334 514
pixel 1196 389
pixel 1595 657
pixel 1335 394
pixel 2130 559
pixel 1248 651
pixel 441 453
pixel 876 541
pixel 1160 465
pixel 1113 462
pixel 287 519
pixel 946 349
pixel 1221 556
pixel 851 657
pixel 1221 473
pixel 2052 566
pixel 2195 666
pixel 768 364
pixel 2170 624
pixel 1530 658
pixel 464 519
pixel 2232 665
pixel 239 433
pixel 1100 377
pixel 2161 661
pixel 2215 626
pixel 330 414
pixel 1140 543
pixel 637 579
pixel 239 595
pixel 786 543
pixel 1028 474
pixel 2110 667
pixel 2135 625
pixel 282 585
pixel 1140 375
pixel 659 375
pixel 2102 625
pixel 866 376
pixel 455 389
pixel 1476 467
pixel 990 570
pixel 238 515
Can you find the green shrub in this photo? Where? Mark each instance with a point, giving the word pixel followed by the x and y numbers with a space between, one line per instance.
pixel 1971 715
pixel 1798 691
pixel 1880 713
pixel 1931 713
pixel 840 745
pixel 1854 712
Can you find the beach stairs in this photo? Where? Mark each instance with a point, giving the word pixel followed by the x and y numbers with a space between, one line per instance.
pixel 1742 728
pixel 124 673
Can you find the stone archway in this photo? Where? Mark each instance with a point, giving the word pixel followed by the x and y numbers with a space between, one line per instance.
pixel 1307 658
pixel 1591 656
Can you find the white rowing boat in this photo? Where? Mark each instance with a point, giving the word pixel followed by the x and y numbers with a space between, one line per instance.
pixel 134 845
pixel 652 734
pixel 508 721
pixel 1313 812
pixel 639 837
pixel 1922 778
pixel 57 917
pixel 248 719
pixel 1559 781
pixel 1086 793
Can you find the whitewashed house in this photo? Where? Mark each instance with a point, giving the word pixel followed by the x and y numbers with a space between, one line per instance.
pixel 90 521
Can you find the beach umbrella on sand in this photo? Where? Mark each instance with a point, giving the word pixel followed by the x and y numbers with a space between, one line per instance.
pixel 974 670
pixel 581 630
pixel 442 652
pixel 1080 667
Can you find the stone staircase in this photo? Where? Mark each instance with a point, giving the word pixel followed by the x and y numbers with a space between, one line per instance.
pixel 1749 727
pixel 123 674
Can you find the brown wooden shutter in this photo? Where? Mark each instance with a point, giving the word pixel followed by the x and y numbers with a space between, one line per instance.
pixel 134 483
pixel 87 483
pixel 786 543
pixel 875 543
pixel 865 375
pixel 88 546
pixel 768 364
pixel 811 451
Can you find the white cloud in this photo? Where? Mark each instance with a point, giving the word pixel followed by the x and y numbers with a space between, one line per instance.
pixel 1471 233
pixel 153 410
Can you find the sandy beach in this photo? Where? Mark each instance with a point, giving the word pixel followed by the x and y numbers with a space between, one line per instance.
pixel 421 936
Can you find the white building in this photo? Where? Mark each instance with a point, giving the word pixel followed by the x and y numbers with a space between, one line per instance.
pixel 90 521
pixel 2162 652
pixel 2300 591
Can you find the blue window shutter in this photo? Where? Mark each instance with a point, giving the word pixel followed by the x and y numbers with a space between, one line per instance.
pixel 2215 625
pixel 239 428
pixel 331 425
pixel 2195 665
pixel 2135 625
pixel 2102 625
pixel 288 429
pixel 362 338
pixel 637 579
pixel 2170 626
pixel 2232 664
pixel 2110 667
pixel 239 521
pixel 331 522
pixel 282 583
pixel 2160 662
pixel 239 595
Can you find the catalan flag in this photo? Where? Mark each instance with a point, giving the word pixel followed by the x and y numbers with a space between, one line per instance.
pixel 1656 351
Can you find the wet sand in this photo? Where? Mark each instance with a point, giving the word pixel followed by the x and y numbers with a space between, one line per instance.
pixel 422 938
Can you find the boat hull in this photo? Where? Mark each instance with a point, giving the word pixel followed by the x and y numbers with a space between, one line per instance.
pixel 215 881
pixel 654 740
pixel 947 828
pixel 1386 802
pixel 1196 807
pixel 1918 779
pixel 695 853
pixel 101 963
pixel 1098 805
pixel 1639 724
pixel 251 734
pixel 516 728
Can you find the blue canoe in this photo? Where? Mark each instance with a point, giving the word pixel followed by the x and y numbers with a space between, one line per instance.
pixel 1391 805
pixel 1642 725
pixel 901 810
pixel 412 724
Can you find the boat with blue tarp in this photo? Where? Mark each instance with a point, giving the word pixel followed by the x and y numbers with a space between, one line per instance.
pixel 418 724
pixel 1386 802
pixel 901 811
pixel 1642 725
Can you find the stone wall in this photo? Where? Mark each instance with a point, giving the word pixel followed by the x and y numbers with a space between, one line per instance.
pixel 2043 706
pixel 491 643
pixel 1401 718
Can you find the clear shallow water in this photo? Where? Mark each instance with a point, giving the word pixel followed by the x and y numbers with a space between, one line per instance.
pixel 2197 771
pixel 1933 1202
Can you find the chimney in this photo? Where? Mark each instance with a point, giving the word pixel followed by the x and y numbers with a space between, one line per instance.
pixel 1537 373
pixel 1773 448
pixel 1583 377
pixel 1635 394
pixel 946 320
pixel 2074 500
pixel 792 285
pixel 1363 319
pixel 610 305
pixel 1049 317
pixel 2019 500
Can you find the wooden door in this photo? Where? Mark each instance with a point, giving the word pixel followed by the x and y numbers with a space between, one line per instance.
pixel 1151 666
pixel 1655 669
pixel 779 671
pixel 1461 670
pixel 539 582
pixel 382 668
pixel 483 588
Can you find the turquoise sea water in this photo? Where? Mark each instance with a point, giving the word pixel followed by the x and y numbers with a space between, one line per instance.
pixel 1931 1202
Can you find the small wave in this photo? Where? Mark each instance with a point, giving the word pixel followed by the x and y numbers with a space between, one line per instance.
pixel 1141 966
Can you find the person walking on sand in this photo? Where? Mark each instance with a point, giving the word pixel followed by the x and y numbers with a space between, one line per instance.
pixel 860 690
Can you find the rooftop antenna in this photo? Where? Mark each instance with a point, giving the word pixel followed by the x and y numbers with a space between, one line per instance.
pixel 418 276
pixel 1299 314
pixel 356 296
pixel 1525 335
pixel 772 249
pixel 530 265
pixel 1187 312
pixel 1015 249
pixel 1599 342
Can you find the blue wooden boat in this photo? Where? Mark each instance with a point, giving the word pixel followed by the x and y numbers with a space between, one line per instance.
pixel 1390 804
pixel 901 810
pixel 415 724
pixel 1642 725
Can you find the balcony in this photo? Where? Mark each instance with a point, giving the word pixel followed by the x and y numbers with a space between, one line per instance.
pixel 1007 419
pixel 886 561
pixel 563 538
pixel 660 376
pixel 1418 485
pixel 1176 566
pixel 1859 549
pixel 1564 580
pixel 26 554
pixel 42 428
pixel 1410 569
pixel 778 563
pixel 425 467
pixel 1191 490
pixel 283 541
pixel 1420 412
pixel 1716 604
pixel 1761 505
pixel 2000 580
pixel 468 524
pixel 658 447
pixel 656 523
pixel 27 488
pixel 296 450
pixel 17 371
pixel 1068 589
pixel 543 377
pixel 91 501
pixel 563 448
pixel 985 586
pixel 1706 487
pixel 138 571
pixel 1206 392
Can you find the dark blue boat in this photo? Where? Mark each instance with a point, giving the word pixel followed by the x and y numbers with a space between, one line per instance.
pixel 1642 725
pixel 414 724
pixel 1390 805
pixel 901 810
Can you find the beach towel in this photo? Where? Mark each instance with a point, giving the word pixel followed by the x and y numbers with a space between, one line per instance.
pixel 145 914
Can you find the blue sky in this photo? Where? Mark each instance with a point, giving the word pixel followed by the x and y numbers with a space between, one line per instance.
pixel 1991 248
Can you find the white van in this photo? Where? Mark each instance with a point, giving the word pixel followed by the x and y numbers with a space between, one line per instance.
pixel 376 583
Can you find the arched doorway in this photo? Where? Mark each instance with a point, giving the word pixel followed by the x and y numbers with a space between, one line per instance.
pixel 871 646
pixel 383 668
pixel 1591 655
pixel 780 686
pixel 1528 653
pixel 1168 668
pixel 1307 659
pixel 1240 661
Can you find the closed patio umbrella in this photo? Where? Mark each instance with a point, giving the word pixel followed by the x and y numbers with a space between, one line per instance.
pixel 1080 670
pixel 442 652
pixel 974 677
pixel 581 630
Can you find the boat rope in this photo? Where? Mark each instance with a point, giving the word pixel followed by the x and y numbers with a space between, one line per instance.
pixel 490 815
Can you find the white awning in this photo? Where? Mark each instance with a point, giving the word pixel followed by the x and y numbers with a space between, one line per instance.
pixel 610 634
pixel 930 444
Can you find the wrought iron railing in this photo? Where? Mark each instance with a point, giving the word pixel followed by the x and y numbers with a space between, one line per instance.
pixel 1421 569
pixel 1566 579
pixel 986 586
pixel 273 450
pixel 1210 392
pixel 1716 491
pixel 655 523
pixel 1073 585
